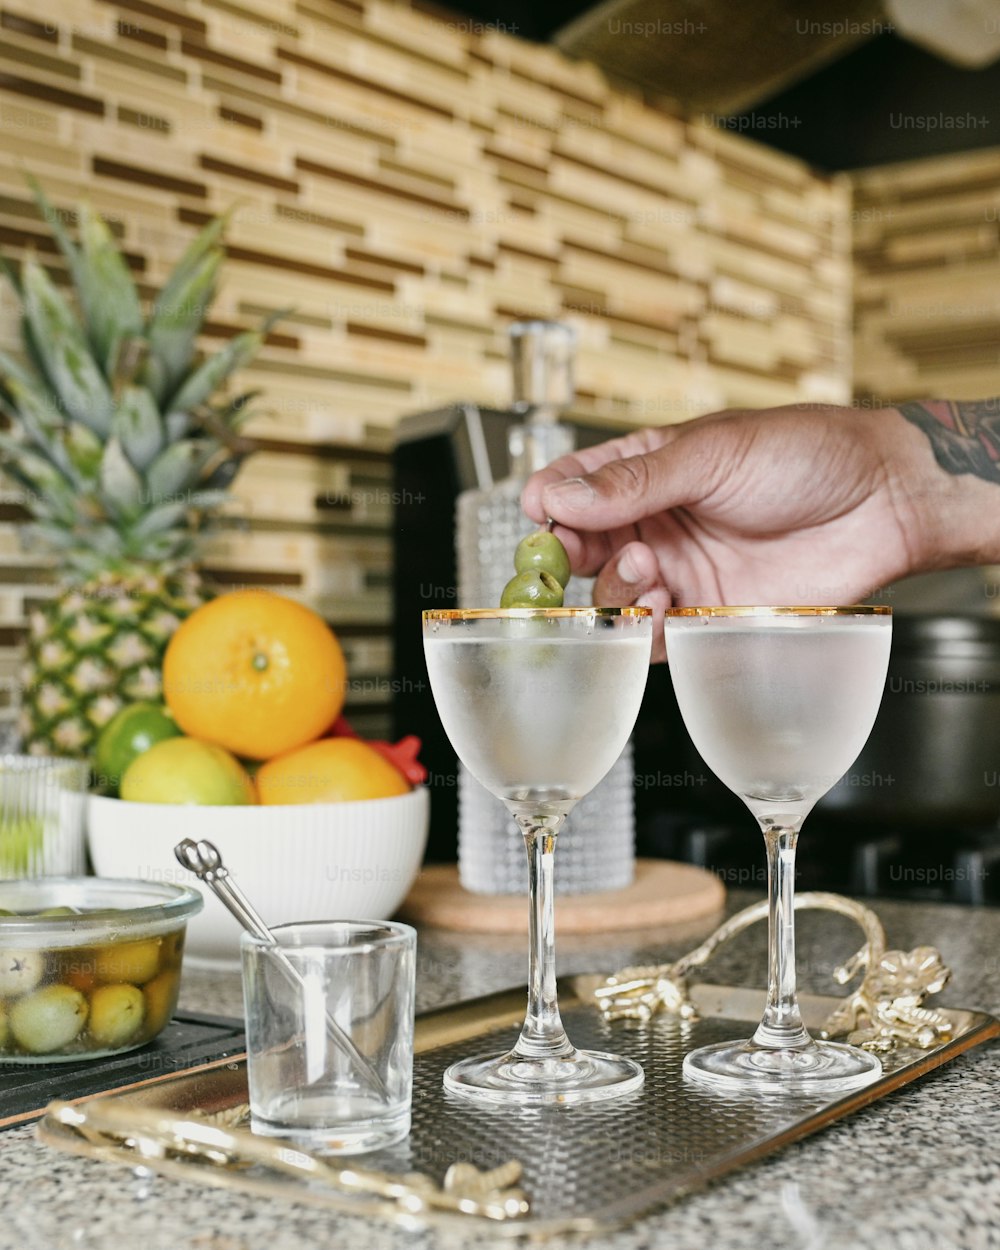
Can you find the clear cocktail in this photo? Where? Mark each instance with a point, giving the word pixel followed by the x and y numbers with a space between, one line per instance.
pixel 779 702
pixel 538 704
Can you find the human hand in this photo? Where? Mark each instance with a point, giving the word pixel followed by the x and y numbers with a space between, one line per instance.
pixel 784 505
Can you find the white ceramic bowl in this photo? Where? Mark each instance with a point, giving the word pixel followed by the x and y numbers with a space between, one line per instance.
pixel 308 861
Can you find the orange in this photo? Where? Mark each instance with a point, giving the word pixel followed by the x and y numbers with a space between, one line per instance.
pixel 254 672
pixel 329 771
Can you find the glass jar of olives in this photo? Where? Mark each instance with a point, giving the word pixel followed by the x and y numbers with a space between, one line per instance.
pixel 88 966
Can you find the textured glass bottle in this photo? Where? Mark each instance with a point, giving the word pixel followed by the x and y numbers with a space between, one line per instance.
pixel 597 848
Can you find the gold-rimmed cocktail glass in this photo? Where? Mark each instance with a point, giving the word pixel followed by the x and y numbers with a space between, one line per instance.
pixel 538 704
pixel 779 702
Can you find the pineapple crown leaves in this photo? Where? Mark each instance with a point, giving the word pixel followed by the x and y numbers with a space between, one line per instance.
pixel 104 286
pixel 115 440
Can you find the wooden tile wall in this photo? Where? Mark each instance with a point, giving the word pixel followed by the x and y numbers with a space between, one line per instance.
pixel 927 279
pixel 408 184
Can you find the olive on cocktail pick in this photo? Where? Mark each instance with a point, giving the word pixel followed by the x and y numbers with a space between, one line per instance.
pixel 544 552
pixel 532 589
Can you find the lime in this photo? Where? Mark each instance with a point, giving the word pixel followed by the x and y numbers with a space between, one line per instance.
pixel 125 737
pixel 187 770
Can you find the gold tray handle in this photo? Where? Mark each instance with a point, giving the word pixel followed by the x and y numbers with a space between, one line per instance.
pixel 157 1135
pixel 887 1008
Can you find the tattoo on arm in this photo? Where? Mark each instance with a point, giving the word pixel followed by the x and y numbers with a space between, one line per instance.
pixel 964 434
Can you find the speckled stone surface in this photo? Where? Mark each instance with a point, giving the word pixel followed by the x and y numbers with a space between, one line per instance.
pixel 918 1171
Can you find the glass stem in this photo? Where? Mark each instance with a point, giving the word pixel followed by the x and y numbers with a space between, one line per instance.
pixel 782 1024
pixel 543 1035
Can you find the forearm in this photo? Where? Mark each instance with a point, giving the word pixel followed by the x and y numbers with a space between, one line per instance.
pixel 952 478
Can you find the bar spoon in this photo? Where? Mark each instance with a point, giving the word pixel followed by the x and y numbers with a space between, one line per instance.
pixel 204 860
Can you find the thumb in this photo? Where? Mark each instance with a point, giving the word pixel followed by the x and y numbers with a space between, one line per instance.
pixel 624 491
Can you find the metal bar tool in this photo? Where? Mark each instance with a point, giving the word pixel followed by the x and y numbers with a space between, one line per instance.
pixel 203 859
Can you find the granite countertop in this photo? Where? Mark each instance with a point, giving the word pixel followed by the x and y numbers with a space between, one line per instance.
pixel 917 1171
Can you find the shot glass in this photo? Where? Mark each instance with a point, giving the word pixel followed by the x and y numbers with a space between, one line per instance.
pixel 322 982
pixel 42 814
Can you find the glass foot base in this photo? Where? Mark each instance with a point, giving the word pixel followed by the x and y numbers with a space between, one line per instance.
pixel 818 1068
pixel 331 1135
pixel 583 1076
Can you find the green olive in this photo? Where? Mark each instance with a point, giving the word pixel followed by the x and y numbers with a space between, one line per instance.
pixel 533 589
pixel 49 1019
pixel 544 552
pixel 161 998
pixel 116 1013
pixel 20 971
pixel 136 962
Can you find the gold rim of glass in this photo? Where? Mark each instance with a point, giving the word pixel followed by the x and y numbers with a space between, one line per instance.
pixel 474 614
pixel 857 609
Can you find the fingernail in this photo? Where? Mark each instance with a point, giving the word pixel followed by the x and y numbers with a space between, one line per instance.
pixel 627 571
pixel 574 492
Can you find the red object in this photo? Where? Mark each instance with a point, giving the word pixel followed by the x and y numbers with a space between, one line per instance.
pixel 402 754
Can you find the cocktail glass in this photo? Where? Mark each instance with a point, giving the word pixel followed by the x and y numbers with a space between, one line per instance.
pixel 538 704
pixel 779 702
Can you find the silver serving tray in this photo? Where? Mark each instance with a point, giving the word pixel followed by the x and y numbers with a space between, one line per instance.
pixel 585 1169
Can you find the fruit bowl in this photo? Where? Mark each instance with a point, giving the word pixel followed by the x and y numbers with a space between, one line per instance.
pixel 97 975
pixel 296 862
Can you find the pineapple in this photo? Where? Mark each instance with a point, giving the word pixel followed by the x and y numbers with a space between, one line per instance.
pixel 123 452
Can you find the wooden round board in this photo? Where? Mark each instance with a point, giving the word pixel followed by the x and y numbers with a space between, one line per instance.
pixel 661 893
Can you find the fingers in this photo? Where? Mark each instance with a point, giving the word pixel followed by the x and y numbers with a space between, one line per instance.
pixel 628 576
pixel 633 577
pixel 682 471
pixel 557 471
pixel 618 493
pixel 588 553
pixel 589 460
